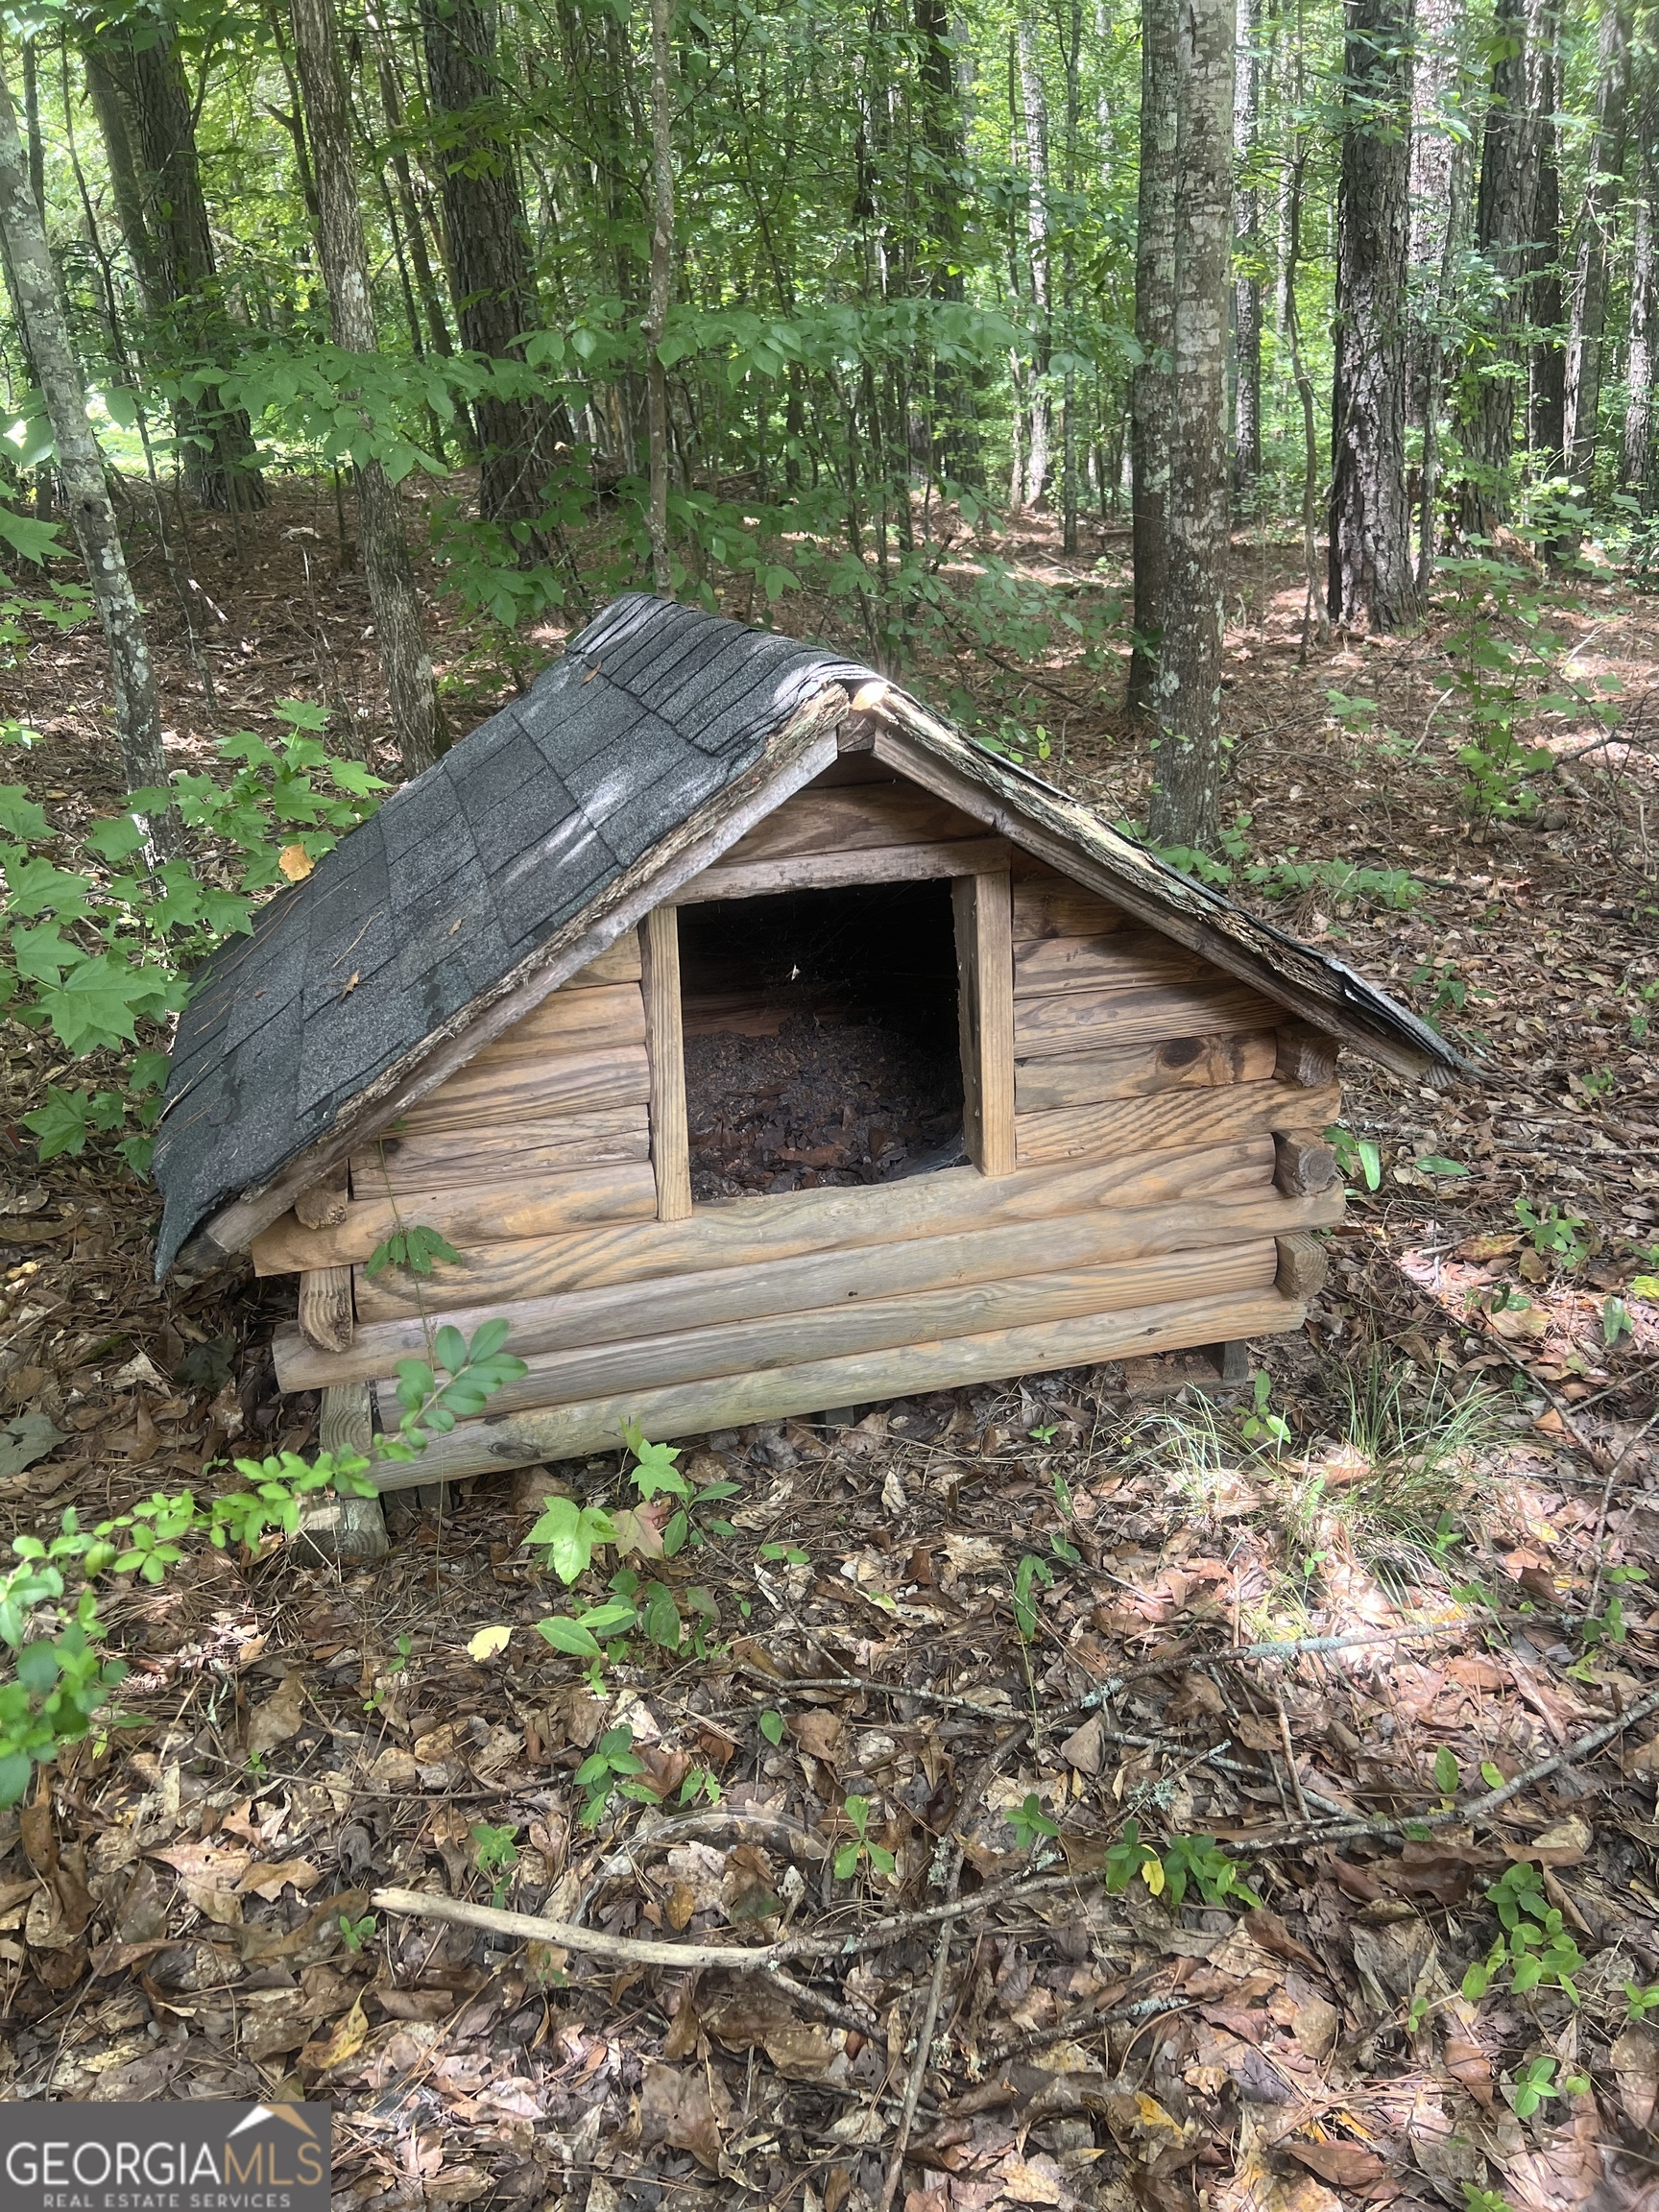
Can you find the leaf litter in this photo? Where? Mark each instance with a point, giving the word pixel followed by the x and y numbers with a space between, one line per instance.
pixel 188 1910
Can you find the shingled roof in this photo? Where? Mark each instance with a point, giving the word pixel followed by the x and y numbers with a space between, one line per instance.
pixel 465 878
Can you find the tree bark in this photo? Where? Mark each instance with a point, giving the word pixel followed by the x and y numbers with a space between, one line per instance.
pixel 1152 390
pixel 179 264
pixel 1441 170
pixel 1503 207
pixel 1247 272
pixel 661 278
pixel 1601 193
pixel 411 690
pixel 1187 766
pixel 1370 516
pixel 1547 370
pixel 40 311
pixel 1034 134
pixel 489 252
pixel 1636 459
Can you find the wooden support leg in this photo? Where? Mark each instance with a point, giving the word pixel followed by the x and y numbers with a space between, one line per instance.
pixel 1232 1361
pixel 351 1531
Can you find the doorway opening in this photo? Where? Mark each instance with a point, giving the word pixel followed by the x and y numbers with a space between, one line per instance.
pixel 822 1039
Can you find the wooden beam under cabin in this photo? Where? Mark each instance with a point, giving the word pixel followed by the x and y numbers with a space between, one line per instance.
pixel 750 1231
pixel 1094 1236
pixel 745 1348
pixel 681 1409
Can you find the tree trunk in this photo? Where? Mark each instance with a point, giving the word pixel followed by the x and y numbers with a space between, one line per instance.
pixel 124 183
pixel 1503 207
pixel 661 278
pixel 399 629
pixel 40 310
pixel 953 427
pixel 414 223
pixel 1440 180
pixel 1187 766
pixel 1247 271
pixel 488 252
pixel 1370 516
pixel 1152 391
pixel 219 459
pixel 1072 25
pixel 1547 370
pixel 1314 617
pixel 1636 460
pixel 1034 131
pixel 1602 187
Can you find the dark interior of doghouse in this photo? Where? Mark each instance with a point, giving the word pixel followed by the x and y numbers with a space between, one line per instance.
pixel 821 1038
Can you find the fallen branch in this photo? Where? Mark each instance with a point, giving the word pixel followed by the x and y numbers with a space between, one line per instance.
pixel 1459 1816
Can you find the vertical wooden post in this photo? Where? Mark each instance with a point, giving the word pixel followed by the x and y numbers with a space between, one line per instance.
pixel 985 968
pixel 665 1048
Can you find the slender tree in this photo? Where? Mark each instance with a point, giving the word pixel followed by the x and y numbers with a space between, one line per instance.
pixel 661 277
pixel 489 249
pixel 1491 369
pixel 1034 144
pixel 1247 273
pixel 1602 195
pixel 1440 181
pixel 399 629
pixel 170 238
pixel 1187 767
pixel 1152 393
pixel 1370 516
pixel 39 303
pixel 1637 453
pixel 1547 366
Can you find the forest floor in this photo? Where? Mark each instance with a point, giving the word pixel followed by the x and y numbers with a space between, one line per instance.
pixel 1465 1471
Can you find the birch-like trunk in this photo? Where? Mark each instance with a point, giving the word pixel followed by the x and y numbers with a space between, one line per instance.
pixel 39 308
pixel 1152 391
pixel 1034 126
pixel 400 631
pixel 1187 766
pixel 1636 459
pixel 1247 272
pixel 1601 193
pixel 656 321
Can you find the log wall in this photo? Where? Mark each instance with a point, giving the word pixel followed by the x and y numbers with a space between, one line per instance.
pixel 1137 1196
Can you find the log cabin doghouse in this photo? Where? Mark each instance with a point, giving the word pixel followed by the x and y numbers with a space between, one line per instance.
pixel 761 1045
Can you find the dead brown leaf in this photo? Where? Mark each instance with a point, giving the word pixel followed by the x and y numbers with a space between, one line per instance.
pixel 1635 2056
pixel 1346 2165
pixel 686 2108
pixel 281 1716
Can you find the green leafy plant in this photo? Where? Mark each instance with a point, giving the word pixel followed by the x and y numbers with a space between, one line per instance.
pixel 1617 1325
pixel 417 1248
pixel 1127 1856
pixel 1533 1945
pixel 1031 1574
pixel 771 1726
pixel 1356 1156
pixel 1609 1626
pixel 1029 1822
pixel 356 1934
pixel 1641 2002
pixel 1554 1234
pixel 1531 2084
pixel 1200 1863
pixel 495 1855
pixel 49 1601
pixel 1261 1425
pixel 612 1762
pixel 861 1848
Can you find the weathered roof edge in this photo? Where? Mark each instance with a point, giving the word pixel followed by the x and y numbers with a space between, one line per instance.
pixel 1022 805
pixel 802 747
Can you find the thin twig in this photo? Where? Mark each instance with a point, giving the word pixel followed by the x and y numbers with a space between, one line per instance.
pixel 1290 1759
pixel 919 2063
